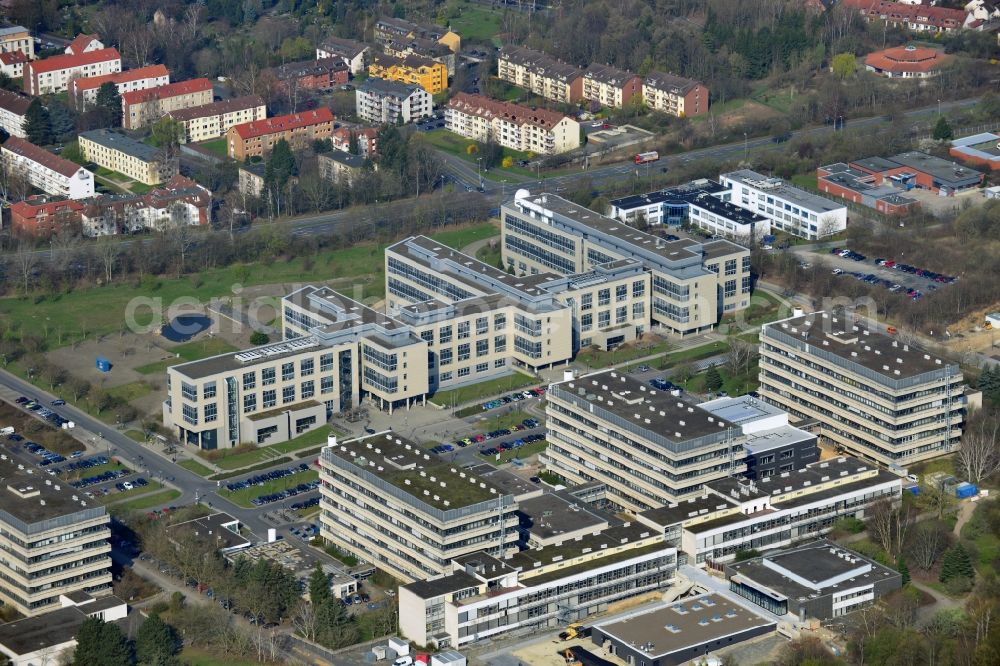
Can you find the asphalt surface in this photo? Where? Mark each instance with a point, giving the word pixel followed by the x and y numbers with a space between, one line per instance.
pixel 152 464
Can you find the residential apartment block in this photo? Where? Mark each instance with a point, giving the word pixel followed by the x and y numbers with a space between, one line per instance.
pixel 210 121
pixel 45 171
pixel 425 48
pixel 610 86
pixel 12 64
pixel 298 77
pixel 362 139
pixel 541 74
pixel 597 562
pixel 52 75
pixel 390 29
pixel 430 75
pixel 736 514
pixel 874 396
pixel 352 53
pixel 178 201
pixel 646 446
pixel 523 128
pixel 915 17
pixel 83 92
pixel 17 38
pixel 387 102
pixel 251 179
pixel 256 138
pixel 43 216
pixel 693 283
pixel 338 166
pixel 145 107
pixel 674 95
pixel 139 161
pixel 13 107
pixel 410 513
pixel 55 542
pixel 790 209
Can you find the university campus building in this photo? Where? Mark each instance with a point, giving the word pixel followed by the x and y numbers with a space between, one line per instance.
pixel 874 396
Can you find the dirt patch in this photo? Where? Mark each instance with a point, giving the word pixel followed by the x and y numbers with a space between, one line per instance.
pixel 34 429
pixel 751 111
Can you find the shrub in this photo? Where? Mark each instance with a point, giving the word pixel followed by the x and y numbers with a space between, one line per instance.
pixel 508 162
pixel 259 338
pixel 958 585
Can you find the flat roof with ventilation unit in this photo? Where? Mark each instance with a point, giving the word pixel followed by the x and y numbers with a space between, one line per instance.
pixel 29 500
pixel 678 632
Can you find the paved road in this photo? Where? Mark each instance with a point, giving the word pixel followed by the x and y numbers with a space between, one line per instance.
pixel 143 457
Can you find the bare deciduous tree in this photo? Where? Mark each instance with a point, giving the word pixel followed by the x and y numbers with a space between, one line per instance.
pixel 926 544
pixel 888 525
pixel 25 261
pixel 108 250
pixel 305 620
pixel 979 455
pixel 739 355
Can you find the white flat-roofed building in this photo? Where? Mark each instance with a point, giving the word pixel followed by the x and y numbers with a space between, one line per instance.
pixel 739 514
pixel 481 597
pixel 874 395
pixel 379 101
pixel 46 171
pixel 790 209
pixel 55 541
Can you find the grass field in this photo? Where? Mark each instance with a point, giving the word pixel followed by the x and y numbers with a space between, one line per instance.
pixel 85 313
pixel 459 238
pixel 243 497
pixel 805 180
pixel 195 657
pixel 457 145
pixel 189 351
pixel 490 255
pixel 196 467
pixel 487 389
pixel 217 146
pixel 476 24
pixel 733 384
pixel 596 359
pixel 247 458
pixel 148 502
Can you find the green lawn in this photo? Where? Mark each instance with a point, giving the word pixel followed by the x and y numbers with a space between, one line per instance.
pixel 476 24
pixel 188 351
pixel 720 108
pixel 482 390
pixel 764 308
pixel 805 180
pixel 459 238
pixel 195 657
pixel 596 359
pixel 116 497
pixel 247 458
pixel 457 145
pixel 148 502
pixel 733 384
pixel 490 255
pixel 243 497
pixel 196 467
pixel 136 435
pixel 217 146
pixel 986 542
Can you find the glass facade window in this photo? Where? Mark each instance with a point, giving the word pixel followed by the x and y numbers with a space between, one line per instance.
pixel 326 363
pixel 621 293
pixel 326 385
pixel 288 394
pixel 306 367
pixel 464 352
pixel 463 330
pixel 308 389
pixel 270 398
pixel 603 297
pixel 482 325
pixel 211 412
pixel 500 343
pixel 249 403
pixel 249 381
pixel 208 390
pixel 287 372
pixel 586 301
pixel 482 347
pixel 267 376
pixel 638 289
pixel 445 336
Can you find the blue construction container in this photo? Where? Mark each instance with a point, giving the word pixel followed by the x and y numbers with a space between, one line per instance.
pixel 914 489
pixel 965 490
pixel 103 364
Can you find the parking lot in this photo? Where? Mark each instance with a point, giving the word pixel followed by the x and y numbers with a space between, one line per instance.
pixel 892 273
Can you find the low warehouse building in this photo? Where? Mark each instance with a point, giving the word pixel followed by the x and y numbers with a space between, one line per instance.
pixel 679 632
pixel 820 580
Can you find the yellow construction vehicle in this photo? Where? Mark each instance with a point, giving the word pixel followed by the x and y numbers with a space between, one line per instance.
pixel 571 659
pixel 572 631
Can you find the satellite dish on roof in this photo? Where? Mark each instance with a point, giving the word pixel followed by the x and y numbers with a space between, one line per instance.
pixel 521 194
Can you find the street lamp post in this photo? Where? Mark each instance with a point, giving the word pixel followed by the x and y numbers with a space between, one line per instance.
pixel 479 173
pixel 746 147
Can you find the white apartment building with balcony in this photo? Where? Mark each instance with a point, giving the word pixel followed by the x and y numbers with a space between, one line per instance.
pixel 539 131
pixel 46 171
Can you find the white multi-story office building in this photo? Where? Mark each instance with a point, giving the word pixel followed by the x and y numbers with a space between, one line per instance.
pixel 877 397
pixel 379 101
pixel 55 542
pixel 693 283
pixel 409 512
pixel 46 171
pixel 790 209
